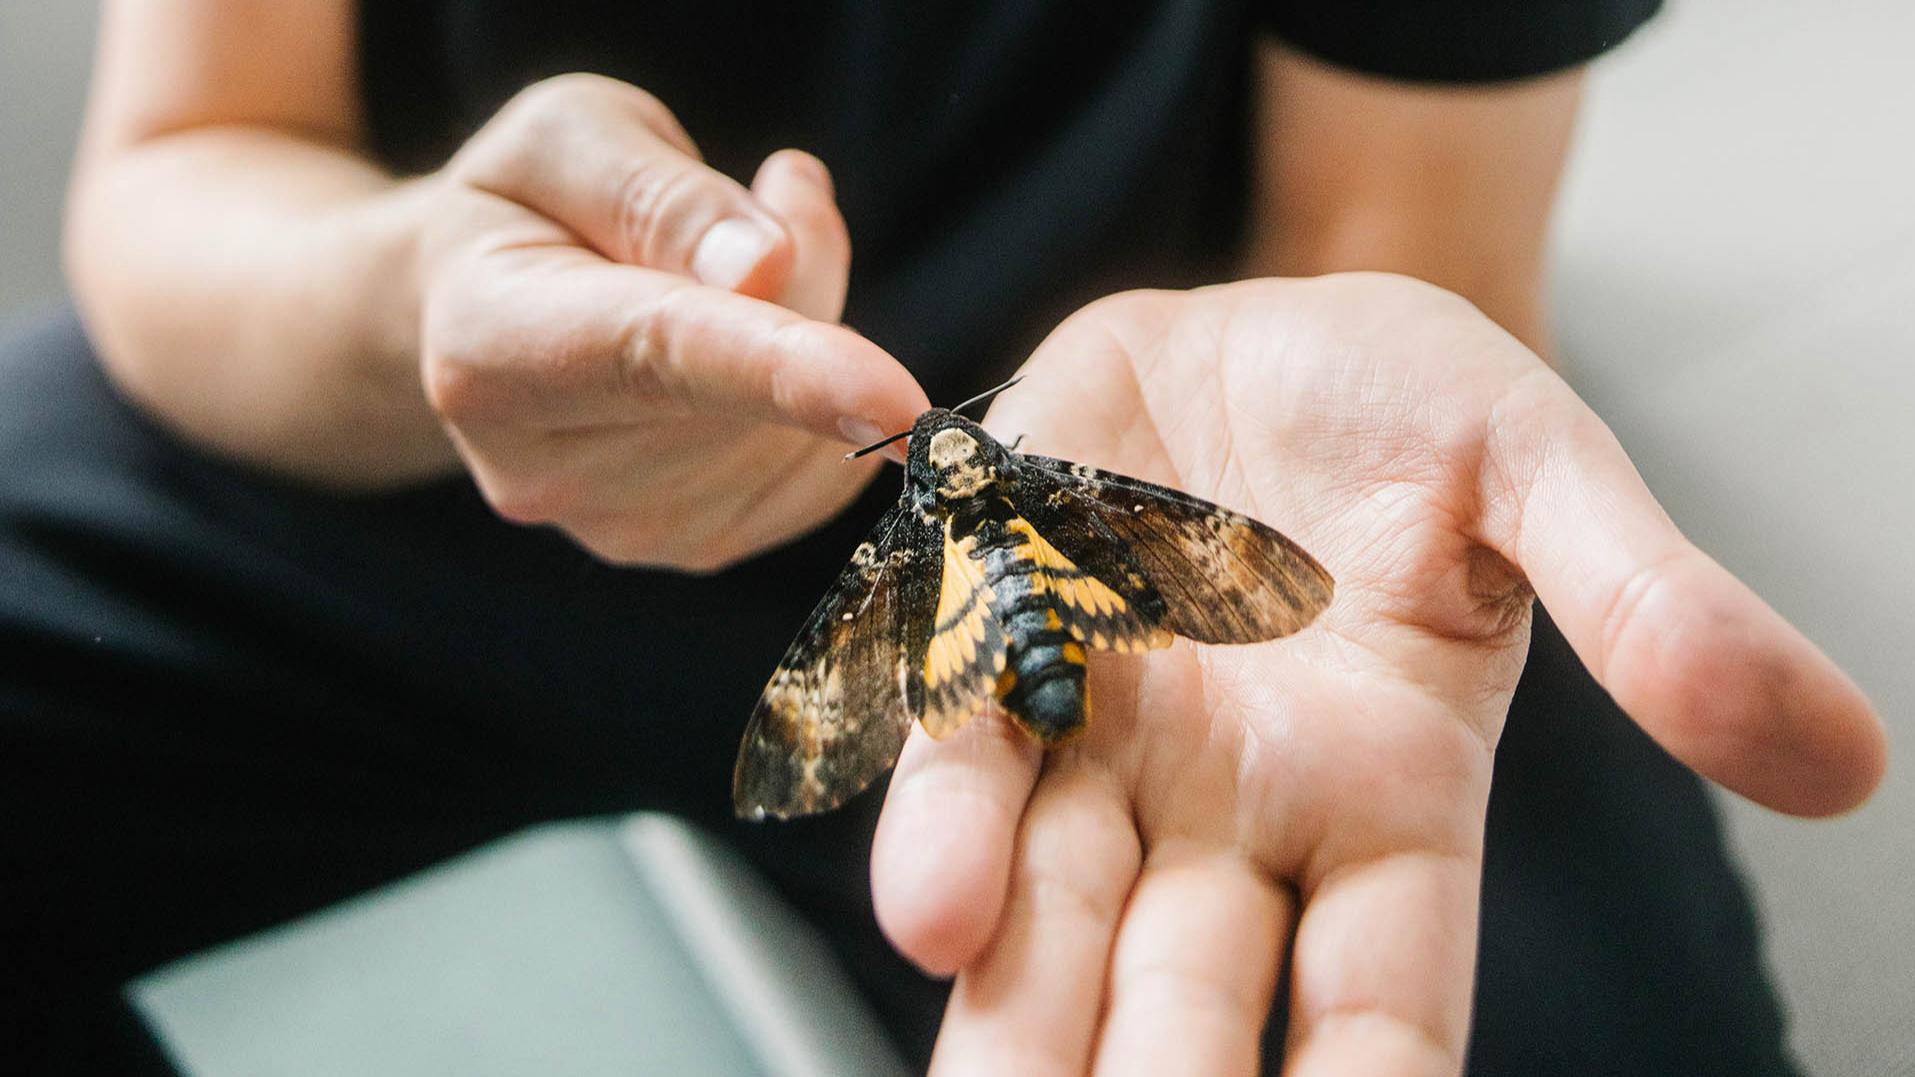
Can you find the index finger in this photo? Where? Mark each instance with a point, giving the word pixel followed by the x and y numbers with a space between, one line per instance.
pixel 555 337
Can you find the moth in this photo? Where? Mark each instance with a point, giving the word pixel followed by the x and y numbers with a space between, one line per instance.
pixel 989 580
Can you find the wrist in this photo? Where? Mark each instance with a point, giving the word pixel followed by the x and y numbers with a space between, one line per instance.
pixel 1508 289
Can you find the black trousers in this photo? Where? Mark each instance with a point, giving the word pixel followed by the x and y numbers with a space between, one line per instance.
pixel 226 701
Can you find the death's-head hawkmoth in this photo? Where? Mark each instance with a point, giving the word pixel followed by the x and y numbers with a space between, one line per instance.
pixel 988 580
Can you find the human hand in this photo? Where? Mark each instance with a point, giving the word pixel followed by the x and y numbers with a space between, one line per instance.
pixel 629 345
pixel 1124 903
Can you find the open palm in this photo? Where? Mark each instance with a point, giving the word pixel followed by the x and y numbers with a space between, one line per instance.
pixel 1124 903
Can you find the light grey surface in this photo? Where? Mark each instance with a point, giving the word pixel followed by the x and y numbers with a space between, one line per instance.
pixel 774 974
pixel 45 49
pixel 543 954
pixel 1734 294
pixel 635 945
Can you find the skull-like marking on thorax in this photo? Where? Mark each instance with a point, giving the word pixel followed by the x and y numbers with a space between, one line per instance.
pixel 961 472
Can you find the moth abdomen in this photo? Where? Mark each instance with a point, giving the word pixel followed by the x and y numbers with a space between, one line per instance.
pixel 1042 686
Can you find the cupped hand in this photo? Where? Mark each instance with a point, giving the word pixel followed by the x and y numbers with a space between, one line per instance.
pixel 1124 904
pixel 631 346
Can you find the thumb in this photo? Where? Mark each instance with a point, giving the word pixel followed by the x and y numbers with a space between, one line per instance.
pixel 1691 653
pixel 609 162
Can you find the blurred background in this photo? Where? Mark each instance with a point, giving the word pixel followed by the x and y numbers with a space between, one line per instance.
pixel 1734 292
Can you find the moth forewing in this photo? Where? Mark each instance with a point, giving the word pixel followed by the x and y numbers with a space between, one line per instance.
pixel 1224 577
pixel 834 714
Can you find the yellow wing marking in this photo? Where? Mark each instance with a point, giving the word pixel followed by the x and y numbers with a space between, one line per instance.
pixel 967 651
pixel 1101 617
pixel 963 598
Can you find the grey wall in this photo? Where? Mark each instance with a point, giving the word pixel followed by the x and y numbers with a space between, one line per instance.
pixel 45 49
pixel 1735 290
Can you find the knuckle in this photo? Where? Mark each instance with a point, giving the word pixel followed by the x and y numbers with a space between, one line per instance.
pixel 519 499
pixel 650 110
pixel 648 363
pixel 631 540
pixel 456 388
pixel 705 560
pixel 551 495
pixel 657 203
pixel 785 386
pixel 620 542
pixel 525 122
pixel 539 107
pixel 460 385
pixel 1118 305
pixel 558 95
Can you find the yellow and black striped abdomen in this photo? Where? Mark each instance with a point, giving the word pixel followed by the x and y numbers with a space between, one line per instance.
pixel 1042 686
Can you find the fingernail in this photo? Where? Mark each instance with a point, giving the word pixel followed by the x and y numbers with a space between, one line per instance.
pixel 860 432
pixel 731 249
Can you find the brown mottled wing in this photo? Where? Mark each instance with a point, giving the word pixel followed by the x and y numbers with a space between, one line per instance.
pixel 1222 577
pixel 836 711
pixel 968 647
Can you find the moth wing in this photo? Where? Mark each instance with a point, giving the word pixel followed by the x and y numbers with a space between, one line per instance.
pixel 1222 576
pixel 836 711
pixel 967 647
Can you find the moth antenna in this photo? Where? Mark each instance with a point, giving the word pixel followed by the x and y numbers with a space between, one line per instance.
pixel 875 446
pixel 988 394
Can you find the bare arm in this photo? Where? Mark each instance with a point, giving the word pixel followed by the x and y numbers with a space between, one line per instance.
pixel 1453 185
pixel 610 336
pixel 245 273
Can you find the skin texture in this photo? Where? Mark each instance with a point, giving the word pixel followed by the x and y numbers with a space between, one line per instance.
pixel 1322 796
pixel 573 311
pixel 1448 184
pixel 607 334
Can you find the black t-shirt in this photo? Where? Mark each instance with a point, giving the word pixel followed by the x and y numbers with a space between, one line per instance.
pixel 998 164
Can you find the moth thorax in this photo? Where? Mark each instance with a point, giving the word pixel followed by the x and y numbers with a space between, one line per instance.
pixel 960 467
pixel 950 448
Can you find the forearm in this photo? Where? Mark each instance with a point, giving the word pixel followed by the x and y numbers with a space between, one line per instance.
pixel 1453 185
pixel 255 291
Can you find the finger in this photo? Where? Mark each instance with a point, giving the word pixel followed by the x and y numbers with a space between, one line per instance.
pixel 1195 966
pixel 1029 1004
pixel 797 188
pixel 942 856
pixel 1381 969
pixel 1707 668
pixel 558 339
pixel 609 162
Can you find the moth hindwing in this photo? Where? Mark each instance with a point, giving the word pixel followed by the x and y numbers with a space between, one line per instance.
pixel 989 579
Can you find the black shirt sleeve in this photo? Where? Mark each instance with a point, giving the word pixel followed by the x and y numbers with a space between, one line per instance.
pixel 1456 40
